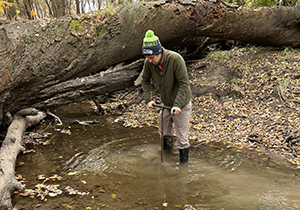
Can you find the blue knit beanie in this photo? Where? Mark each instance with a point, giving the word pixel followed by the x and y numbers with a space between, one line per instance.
pixel 151 44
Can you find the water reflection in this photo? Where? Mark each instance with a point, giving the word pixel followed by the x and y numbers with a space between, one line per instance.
pixel 113 160
pixel 224 180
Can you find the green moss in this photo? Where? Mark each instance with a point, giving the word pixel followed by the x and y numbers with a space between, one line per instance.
pixel 100 30
pixel 75 25
pixel 109 10
pixel 287 51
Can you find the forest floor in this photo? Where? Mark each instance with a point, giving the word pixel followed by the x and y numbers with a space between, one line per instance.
pixel 247 98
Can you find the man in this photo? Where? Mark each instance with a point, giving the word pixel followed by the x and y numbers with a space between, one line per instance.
pixel 168 71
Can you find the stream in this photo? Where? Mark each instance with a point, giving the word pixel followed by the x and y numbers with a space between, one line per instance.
pixel 108 166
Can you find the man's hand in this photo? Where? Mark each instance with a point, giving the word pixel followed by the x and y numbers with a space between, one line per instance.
pixel 175 110
pixel 150 104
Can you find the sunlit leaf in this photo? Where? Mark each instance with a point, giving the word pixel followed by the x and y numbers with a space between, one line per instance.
pixel 72 173
pixel 52 194
pixel 113 195
pixel 41 176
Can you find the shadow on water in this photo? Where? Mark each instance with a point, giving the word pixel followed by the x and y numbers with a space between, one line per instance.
pixel 120 168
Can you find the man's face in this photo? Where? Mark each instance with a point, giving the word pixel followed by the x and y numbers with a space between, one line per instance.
pixel 154 59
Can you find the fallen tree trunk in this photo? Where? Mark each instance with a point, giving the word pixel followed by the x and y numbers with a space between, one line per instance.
pixel 41 53
pixel 89 87
pixel 11 147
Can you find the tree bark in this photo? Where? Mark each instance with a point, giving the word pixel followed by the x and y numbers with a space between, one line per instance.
pixel 77 7
pixel 37 55
pixel 11 147
pixel 88 87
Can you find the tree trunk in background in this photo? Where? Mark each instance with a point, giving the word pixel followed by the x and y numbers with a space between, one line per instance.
pixel 78 7
pixel 35 56
pixel 58 8
pixel 49 8
pixel 99 4
pixel 39 11
pixel 28 8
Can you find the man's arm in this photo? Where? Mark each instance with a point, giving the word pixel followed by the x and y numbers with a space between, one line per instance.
pixel 146 79
pixel 183 82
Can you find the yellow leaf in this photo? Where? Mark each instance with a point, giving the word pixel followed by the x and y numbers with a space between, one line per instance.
pixel 113 195
pixel 4 4
pixel 33 13
pixel 9 4
pixel 88 208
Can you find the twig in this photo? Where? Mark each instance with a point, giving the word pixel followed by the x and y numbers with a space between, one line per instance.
pixel 85 122
pixel 48 126
pixel 122 97
pixel 293 151
pixel 53 115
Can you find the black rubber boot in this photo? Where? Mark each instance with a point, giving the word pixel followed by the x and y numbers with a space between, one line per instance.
pixel 168 143
pixel 184 155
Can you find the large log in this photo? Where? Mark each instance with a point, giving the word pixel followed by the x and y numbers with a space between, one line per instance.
pixel 37 55
pixel 88 87
pixel 11 147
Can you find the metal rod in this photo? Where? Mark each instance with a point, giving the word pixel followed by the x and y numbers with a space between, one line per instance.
pixel 162 106
pixel 162 136
pixel 162 127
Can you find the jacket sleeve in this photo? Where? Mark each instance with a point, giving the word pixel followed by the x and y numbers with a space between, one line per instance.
pixel 146 79
pixel 183 82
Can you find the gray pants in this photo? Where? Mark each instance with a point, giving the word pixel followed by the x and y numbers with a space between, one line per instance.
pixel 181 123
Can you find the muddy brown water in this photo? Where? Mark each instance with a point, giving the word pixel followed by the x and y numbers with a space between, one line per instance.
pixel 120 168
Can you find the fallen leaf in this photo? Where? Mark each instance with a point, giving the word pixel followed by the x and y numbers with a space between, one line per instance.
pixel 51 194
pixel 72 173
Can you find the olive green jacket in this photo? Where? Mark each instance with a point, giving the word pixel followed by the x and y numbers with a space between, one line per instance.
pixel 173 84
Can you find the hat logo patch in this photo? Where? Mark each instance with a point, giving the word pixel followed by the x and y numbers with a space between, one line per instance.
pixel 147 51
